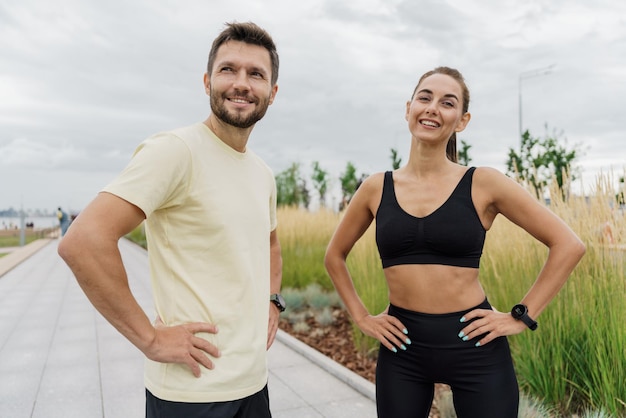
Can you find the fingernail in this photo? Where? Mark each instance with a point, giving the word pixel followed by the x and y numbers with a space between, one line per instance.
pixel 465 338
pixel 462 319
pixel 408 341
pixel 461 334
pixel 402 347
pixel 477 344
pixel 394 349
pixel 406 331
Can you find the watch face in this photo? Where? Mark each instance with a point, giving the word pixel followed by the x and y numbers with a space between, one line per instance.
pixel 518 311
pixel 279 301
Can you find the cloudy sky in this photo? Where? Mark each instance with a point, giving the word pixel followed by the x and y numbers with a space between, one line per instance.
pixel 82 82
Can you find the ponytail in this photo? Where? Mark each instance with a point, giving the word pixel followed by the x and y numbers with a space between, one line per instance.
pixel 451 149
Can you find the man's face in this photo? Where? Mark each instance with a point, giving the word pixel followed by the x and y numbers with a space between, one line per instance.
pixel 240 84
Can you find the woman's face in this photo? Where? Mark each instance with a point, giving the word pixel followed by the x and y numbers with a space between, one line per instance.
pixel 436 109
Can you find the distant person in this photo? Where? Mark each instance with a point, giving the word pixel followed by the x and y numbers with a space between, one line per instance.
pixel 432 216
pixel 64 220
pixel 215 260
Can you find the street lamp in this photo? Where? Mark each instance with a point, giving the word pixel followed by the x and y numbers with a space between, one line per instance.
pixel 523 76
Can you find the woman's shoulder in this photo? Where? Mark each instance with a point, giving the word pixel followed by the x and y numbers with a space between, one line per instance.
pixel 488 174
pixel 369 191
pixel 374 181
pixel 494 183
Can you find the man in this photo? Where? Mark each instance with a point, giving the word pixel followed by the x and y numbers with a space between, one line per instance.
pixel 210 208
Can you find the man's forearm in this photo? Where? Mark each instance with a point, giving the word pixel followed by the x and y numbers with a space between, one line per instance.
pixel 98 268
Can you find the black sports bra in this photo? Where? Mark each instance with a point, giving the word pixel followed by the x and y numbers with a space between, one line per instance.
pixel 452 235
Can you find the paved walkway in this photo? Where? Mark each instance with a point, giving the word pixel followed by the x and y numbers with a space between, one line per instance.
pixel 60 358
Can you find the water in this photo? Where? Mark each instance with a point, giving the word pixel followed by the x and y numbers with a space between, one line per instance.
pixel 38 222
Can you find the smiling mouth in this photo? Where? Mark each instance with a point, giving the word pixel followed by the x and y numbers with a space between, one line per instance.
pixel 240 100
pixel 429 123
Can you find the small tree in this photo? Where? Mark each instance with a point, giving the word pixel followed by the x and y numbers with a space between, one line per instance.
pixel 320 182
pixel 349 183
pixel 541 160
pixel 290 187
pixel 395 159
pixel 464 158
pixel 303 192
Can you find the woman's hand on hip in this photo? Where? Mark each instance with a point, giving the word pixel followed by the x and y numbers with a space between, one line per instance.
pixel 490 322
pixel 385 328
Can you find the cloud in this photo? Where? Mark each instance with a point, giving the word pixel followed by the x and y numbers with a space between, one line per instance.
pixel 27 154
pixel 84 83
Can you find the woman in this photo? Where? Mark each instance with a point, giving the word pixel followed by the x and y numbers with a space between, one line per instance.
pixel 431 220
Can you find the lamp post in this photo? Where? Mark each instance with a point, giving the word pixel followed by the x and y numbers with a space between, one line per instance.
pixel 22 227
pixel 523 76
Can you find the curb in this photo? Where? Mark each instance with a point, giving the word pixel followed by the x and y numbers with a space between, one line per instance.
pixel 357 382
pixel 15 257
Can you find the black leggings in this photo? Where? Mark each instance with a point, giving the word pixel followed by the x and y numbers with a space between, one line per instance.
pixel 482 378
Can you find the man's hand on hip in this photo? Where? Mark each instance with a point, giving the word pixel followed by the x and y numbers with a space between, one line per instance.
pixel 179 344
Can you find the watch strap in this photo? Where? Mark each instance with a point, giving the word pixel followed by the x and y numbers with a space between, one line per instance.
pixel 277 299
pixel 530 323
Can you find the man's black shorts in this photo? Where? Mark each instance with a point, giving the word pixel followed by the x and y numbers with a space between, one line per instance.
pixel 254 406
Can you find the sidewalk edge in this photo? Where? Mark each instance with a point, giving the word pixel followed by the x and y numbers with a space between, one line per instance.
pixel 352 379
pixel 15 257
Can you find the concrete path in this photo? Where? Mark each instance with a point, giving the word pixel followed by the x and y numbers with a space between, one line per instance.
pixel 60 358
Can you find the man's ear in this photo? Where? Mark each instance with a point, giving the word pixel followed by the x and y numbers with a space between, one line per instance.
pixel 273 93
pixel 207 84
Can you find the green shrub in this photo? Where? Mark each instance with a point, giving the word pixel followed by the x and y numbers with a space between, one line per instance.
pixel 316 297
pixel 301 327
pixel 325 317
pixel 294 299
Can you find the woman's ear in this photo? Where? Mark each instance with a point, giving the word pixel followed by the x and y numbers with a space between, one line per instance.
pixel 463 122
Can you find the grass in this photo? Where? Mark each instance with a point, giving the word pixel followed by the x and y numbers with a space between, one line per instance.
pixel 303 238
pixel 11 238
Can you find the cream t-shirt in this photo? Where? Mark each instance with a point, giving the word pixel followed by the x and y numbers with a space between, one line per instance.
pixel 210 211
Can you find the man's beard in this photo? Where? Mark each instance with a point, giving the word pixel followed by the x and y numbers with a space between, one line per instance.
pixel 237 119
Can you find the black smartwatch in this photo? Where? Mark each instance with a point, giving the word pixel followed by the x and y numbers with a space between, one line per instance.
pixel 277 299
pixel 520 312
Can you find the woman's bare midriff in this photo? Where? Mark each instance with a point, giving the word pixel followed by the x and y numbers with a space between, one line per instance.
pixel 435 289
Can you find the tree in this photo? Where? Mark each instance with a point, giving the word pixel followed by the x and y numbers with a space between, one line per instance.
pixel 305 195
pixel 291 188
pixel 320 182
pixel 349 184
pixel 395 159
pixel 541 160
pixel 464 158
